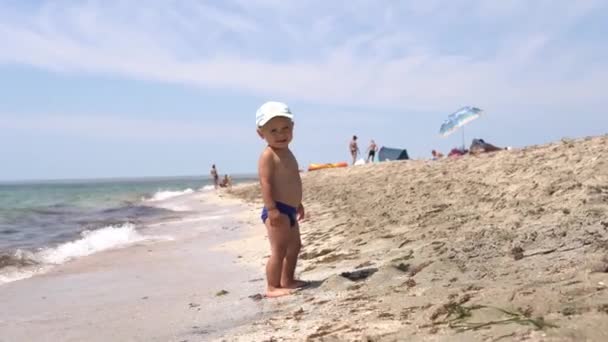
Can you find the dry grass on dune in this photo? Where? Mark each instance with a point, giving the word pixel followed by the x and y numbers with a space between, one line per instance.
pixel 525 229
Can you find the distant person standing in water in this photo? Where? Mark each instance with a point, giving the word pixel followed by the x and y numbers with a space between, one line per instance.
pixel 354 149
pixel 215 176
pixel 371 151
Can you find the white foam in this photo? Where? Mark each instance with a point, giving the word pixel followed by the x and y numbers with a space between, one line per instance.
pixel 173 207
pixel 163 195
pixel 208 188
pixel 14 273
pixel 91 242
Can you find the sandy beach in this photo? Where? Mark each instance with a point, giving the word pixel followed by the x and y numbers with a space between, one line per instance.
pixel 504 246
pixel 444 165
pixel 507 246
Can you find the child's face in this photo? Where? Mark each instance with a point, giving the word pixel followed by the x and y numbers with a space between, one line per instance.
pixel 277 132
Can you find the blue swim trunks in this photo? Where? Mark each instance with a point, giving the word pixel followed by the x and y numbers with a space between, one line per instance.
pixel 283 208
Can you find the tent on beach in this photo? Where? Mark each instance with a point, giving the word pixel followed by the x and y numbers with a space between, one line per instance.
pixel 388 153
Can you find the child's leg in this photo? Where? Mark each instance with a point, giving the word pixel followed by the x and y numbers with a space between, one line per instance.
pixel 291 259
pixel 279 241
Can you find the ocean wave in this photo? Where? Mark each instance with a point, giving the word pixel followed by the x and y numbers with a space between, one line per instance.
pixel 13 274
pixel 23 264
pixel 163 195
pixel 8 232
pixel 133 212
pixel 208 187
pixel 91 242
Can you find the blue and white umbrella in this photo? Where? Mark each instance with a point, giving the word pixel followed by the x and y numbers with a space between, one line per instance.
pixel 458 119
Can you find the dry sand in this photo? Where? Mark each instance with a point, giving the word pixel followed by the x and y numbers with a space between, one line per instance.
pixel 509 246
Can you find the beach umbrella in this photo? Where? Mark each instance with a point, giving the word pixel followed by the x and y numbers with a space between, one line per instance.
pixel 458 119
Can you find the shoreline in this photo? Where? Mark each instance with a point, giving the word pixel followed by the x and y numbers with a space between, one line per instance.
pixel 150 291
pixel 511 245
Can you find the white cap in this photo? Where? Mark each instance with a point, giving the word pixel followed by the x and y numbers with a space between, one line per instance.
pixel 270 110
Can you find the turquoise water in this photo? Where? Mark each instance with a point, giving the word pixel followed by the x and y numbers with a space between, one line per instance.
pixel 88 193
pixel 37 215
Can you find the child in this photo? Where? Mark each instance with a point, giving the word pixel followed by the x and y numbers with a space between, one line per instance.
pixel 282 194
pixel 225 182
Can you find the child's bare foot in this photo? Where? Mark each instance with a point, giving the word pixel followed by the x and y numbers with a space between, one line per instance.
pixel 277 292
pixel 296 284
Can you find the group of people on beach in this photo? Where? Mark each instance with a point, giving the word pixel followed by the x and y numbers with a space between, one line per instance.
pixel 372 149
pixel 477 146
pixel 226 181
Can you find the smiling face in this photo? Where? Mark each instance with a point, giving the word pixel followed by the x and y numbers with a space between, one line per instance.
pixel 277 132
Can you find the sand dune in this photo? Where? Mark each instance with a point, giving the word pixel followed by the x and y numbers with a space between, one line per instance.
pixel 511 245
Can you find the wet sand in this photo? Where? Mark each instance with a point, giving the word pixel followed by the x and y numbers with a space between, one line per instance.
pixel 153 291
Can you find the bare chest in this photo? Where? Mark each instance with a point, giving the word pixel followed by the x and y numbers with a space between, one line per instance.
pixel 287 166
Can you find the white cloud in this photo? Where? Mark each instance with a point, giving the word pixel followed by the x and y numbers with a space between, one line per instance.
pixel 396 55
pixel 113 128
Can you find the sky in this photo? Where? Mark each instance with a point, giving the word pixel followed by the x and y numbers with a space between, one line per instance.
pixel 105 88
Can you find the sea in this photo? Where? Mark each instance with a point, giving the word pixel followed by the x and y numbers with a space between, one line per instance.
pixel 46 223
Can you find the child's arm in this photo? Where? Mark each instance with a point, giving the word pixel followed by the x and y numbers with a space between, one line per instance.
pixel 265 169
